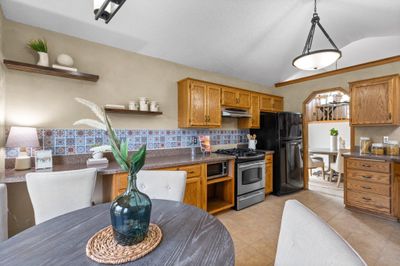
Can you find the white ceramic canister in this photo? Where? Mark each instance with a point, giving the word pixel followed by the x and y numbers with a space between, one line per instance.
pixel 154 106
pixel 133 105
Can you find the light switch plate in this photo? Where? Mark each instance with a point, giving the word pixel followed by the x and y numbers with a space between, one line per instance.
pixel 385 139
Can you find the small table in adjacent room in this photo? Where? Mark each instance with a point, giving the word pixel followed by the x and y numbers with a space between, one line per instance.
pixel 190 237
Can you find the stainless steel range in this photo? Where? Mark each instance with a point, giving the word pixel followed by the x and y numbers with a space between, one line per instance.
pixel 249 176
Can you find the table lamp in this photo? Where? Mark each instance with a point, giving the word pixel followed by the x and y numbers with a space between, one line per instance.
pixel 22 138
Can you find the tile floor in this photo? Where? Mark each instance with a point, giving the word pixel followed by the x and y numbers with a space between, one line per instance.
pixel 255 230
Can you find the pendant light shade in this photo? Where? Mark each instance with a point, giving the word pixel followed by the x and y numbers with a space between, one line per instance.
pixel 314 60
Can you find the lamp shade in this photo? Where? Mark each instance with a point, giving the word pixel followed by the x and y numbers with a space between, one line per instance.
pixel 317 59
pixel 22 137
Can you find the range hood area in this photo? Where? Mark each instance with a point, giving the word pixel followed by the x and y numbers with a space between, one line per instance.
pixel 231 112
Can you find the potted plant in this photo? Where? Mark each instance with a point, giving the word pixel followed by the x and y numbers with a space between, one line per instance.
pixel 40 46
pixel 130 211
pixel 333 141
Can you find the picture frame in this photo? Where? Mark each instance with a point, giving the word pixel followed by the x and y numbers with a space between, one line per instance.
pixel 205 144
pixel 43 159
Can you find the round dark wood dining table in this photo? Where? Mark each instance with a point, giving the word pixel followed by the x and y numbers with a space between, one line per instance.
pixel 190 237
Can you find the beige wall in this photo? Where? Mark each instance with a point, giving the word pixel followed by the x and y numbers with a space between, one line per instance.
pixel 295 95
pixel 2 95
pixel 45 101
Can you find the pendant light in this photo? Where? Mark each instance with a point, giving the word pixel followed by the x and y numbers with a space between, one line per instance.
pixel 313 60
pixel 106 9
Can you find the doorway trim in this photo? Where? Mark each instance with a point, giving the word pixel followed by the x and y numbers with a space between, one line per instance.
pixel 305 128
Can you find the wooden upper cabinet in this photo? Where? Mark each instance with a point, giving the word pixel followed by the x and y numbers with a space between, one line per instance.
pixel 199 104
pixel 213 106
pixel 236 98
pixel 277 104
pixel 375 101
pixel 266 103
pixel 254 120
pixel 270 103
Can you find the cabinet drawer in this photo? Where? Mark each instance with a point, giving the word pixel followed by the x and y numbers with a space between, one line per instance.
pixel 368 187
pixel 375 166
pixel 382 178
pixel 192 170
pixel 369 201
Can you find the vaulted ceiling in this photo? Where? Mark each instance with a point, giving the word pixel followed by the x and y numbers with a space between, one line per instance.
pixel 252 40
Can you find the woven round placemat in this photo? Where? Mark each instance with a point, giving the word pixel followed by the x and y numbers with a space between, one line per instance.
pixel 102 247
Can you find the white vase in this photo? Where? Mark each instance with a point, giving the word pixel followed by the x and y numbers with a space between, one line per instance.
pixel 43 59
pixel 333 143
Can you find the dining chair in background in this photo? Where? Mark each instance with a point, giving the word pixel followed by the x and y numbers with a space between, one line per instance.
pixel 167 185
pixel 338 167
pixel 56 193
pixel 3 213
pixel 316 162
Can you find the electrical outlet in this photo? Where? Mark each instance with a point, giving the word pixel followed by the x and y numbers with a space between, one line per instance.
pixel 385 139
pixel 194 140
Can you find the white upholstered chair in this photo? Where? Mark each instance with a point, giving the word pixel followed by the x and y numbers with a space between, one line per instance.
pixel 3 213
pixel 305 239
pixel 316 162
pixel 338 167
pixel 56 193
pixel 168 185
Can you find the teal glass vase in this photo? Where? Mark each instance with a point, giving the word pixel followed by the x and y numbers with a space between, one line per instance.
pixel 130 215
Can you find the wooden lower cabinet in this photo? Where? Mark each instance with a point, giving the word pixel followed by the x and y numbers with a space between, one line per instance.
pixel 213 195
pixel 372 186
pixel 268 174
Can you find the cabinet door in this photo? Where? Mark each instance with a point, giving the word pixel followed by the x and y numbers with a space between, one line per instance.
pixel 265 103
pixel 277 104
pixel 371 103
pixel 198 104
pixel 213 106
pixel 255 111
pixel 268 174
pixel 244 99
pixel 229 97
pixel 193 192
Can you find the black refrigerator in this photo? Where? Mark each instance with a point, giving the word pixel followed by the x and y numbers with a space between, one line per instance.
pixel 282 133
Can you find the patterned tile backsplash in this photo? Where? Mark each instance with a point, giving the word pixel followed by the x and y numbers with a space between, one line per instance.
pixel 79 141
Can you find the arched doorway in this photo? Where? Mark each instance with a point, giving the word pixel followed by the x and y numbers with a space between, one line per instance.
pixel 321 108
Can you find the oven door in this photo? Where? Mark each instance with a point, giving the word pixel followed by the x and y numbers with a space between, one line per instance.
pixel 250 176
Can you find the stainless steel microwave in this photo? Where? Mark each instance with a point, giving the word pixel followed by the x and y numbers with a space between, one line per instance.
pixel 215 170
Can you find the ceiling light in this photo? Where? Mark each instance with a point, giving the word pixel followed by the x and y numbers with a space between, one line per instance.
pixel 313 60
pixel 106 9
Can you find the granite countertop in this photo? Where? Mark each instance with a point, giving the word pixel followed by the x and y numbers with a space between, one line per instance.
pixel 152 162
pixel 357 154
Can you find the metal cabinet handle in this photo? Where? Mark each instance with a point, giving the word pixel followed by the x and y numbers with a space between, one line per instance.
pixel 368 199
pixel 390 116
pixel 190 172
pixel 366 165
pixel 366 176
pixel 365 187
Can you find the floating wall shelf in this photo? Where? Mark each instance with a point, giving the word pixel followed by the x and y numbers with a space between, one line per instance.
pixel 126 111
pixel 49 71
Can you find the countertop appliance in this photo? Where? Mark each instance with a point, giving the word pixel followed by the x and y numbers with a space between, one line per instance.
pixel 215 170
pixel 282 133
pixel 249 176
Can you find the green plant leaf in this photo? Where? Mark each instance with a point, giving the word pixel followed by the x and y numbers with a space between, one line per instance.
pixel 38 45
pixel 137 160
pixel 124 150
pixel 119 160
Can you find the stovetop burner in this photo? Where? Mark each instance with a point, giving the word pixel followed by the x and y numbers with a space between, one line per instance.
pixel 243 153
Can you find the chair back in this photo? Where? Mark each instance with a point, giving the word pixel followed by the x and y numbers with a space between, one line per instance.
pixel 338 166
pixel 306 239
pixel 3 213
pixel 167 185
pixel 56 193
